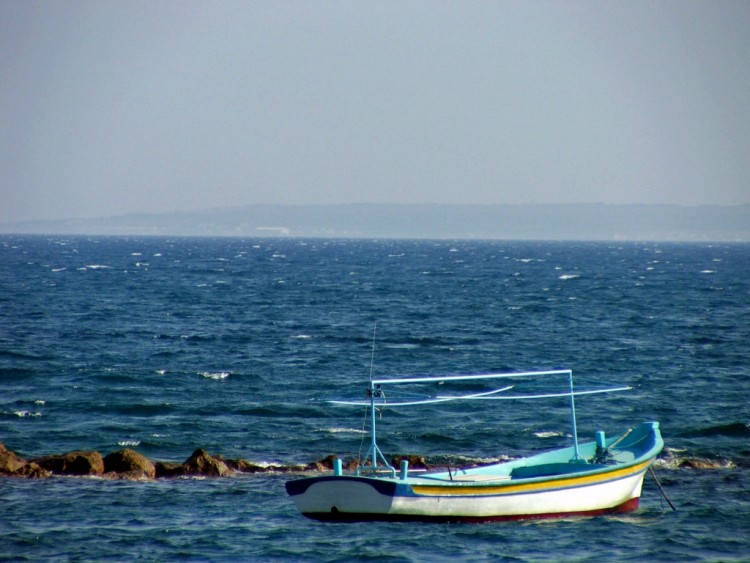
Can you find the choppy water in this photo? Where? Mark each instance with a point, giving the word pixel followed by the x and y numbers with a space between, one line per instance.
pixel 166 345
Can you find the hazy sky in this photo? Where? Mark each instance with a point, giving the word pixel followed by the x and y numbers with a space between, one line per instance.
pixel 112 107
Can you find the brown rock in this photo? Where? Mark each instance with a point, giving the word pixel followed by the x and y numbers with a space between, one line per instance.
pixel 10 463
pixel 201 463
pixel 32 471
pixel 73 463
pixel 244 466
pixel 351 465
pixel 166 469
pixel 415 461
pixel 325 464
pixel 129 461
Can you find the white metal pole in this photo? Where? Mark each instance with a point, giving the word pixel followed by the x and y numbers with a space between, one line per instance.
pixel 373 443
pixel 577 456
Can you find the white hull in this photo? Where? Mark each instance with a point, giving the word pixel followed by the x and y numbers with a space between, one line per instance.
pixel 357 497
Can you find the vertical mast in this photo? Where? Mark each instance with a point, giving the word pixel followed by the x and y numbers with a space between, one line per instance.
pixel 577 455
pixel 374 390
pixel 373 444
pixel 372 353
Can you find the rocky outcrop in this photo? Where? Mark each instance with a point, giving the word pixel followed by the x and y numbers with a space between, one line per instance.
pixel 73 463
pixel 129 464
pixel 132 465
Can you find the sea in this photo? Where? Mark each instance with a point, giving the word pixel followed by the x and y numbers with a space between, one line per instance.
pixel 165 345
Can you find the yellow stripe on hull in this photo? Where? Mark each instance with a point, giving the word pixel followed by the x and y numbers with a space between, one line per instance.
pixel 546 484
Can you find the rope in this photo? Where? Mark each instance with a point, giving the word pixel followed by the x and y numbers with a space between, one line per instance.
pixel 620 439
pixel 661 489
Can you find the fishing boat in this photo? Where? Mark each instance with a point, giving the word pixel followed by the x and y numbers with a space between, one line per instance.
pixel 600 476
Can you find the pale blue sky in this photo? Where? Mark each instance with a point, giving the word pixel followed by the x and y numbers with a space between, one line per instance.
pixel 133 106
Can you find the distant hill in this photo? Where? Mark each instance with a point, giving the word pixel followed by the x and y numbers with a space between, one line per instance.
pixel 527 222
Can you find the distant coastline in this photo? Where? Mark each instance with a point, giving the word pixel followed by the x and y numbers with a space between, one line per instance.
pixel 606 222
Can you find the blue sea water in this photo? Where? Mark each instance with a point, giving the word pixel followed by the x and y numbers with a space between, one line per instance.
pixel 165 345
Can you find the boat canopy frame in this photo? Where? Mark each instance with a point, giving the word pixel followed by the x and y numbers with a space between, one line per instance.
pixel 375 397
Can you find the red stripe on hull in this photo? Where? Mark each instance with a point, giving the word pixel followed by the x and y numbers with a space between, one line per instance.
pixel 627 506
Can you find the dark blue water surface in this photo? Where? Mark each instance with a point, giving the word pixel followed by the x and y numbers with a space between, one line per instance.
pixel 166 345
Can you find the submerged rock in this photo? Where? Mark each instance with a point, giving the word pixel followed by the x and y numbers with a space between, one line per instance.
pixel 129 464
pixel 698 463
pixel 134 475
pixel 73 463
pixel 244 466
pixel 674 459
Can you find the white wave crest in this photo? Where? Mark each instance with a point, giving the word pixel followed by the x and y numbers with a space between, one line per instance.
pixel 26 414
pixel 467 460
pixel 548 434
pixel 569 276
pixel 216 375
pixel 131 443
pixel 341 430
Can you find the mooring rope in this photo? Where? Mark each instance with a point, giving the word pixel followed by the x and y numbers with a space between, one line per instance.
pixel 661 489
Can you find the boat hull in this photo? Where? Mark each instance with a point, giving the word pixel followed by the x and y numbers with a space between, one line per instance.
pixel 511 491
pixel 352 498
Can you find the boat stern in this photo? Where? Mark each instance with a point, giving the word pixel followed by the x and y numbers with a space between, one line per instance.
pixel 342 497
